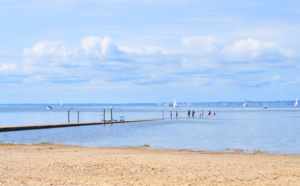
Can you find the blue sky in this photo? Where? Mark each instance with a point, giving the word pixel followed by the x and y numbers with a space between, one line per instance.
pixel 133 51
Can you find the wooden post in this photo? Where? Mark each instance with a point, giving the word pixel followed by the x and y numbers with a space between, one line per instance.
pixel 78 116
pixel 111 116
pixel 103 116
pixel 68 116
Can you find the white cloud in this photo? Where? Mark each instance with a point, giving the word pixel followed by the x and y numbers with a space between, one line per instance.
pixel 8 67
pixel 284 80
pixel 96 46
pixel 46 53
pixel 91 45
pixel 35 79
pixel 198 63
pixel 277 78
pixel 55 53
pixel 47 48
pixel 201 81
pixel 206 44
pixel 51 54
pixel 224 81
pixel 145 50
pixel 256 49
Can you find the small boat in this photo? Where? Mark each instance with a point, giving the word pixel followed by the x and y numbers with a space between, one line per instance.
pixel 296 103
pixel 71 107
pixel 49 107
pixel 245 105
pixel 265 107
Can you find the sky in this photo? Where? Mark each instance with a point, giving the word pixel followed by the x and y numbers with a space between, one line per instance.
pixel 149 51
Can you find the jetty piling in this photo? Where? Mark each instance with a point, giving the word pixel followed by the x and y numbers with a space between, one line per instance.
pixel 111 117
pixel 78 116
pixel 68 116
pixel 103 116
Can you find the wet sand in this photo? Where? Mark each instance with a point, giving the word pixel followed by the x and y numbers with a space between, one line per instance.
pixel 69 165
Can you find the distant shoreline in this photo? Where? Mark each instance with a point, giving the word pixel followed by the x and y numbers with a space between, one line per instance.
pixel 217 103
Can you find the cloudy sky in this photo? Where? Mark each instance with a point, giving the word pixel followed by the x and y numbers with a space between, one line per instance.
pixel 148 51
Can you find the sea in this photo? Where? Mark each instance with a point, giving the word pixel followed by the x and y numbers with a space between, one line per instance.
pixel 252 129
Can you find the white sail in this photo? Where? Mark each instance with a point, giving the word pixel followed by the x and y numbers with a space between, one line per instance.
pixel 60 103
pixel 175 103
pixel 296 103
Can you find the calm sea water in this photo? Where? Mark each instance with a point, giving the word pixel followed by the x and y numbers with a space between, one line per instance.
pixel 252 129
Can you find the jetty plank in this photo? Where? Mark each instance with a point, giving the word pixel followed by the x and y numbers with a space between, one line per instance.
pixel 58 125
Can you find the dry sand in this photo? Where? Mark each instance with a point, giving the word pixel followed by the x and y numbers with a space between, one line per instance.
pixel 68 165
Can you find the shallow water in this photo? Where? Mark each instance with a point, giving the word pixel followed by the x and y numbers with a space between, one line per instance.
pixel 252 129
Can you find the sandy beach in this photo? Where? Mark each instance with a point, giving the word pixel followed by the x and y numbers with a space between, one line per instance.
pixel 68 165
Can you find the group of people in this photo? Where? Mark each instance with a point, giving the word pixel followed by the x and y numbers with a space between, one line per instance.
pixel 171 114
pixel 200 115
pixel 188 113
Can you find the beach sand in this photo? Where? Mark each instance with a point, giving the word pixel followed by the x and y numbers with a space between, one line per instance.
pixel 68 165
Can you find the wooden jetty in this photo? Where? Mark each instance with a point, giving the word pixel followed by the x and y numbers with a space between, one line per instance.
pixel 57 125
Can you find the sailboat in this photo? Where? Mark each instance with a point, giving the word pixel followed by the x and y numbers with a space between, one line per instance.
pixel 296 103
pixel 245 103
pixel 175 103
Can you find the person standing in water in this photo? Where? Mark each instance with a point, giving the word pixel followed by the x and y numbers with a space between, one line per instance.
pixel 176 114
pixel 162 114
pixel 189 113
pixel 170 114
pixel 193 114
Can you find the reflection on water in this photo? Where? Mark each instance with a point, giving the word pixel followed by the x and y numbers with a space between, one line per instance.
pixel 275 130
